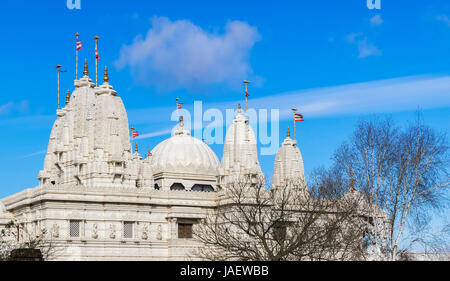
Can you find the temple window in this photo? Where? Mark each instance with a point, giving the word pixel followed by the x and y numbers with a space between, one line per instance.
pixel 128 229
pixel 185 230
pixel 74 228
pixel 202 187
pixel 177 186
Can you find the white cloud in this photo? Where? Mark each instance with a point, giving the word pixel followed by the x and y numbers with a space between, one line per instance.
pixel 444 18
pixel 374 97
pixel 179 54
pixel 35 153
pixel 6 107
pixel 13 106
pixel 154 134
pixel 376 20
pixel 365 48
pixel 351 37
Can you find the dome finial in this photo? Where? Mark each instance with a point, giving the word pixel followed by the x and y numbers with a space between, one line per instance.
pixel 67 97
pixel 288 133
pixel 85 72
pixel 239 107
pixel 181 121
pixel 105 77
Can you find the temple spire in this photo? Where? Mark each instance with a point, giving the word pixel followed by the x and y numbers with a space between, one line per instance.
pixel 67 97
pixel 239 107
pixel 136 148
pixel 288 134
pixel 105 77
pixel 181 121
pixel 85 71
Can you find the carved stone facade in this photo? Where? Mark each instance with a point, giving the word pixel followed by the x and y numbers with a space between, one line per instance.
pixel 100 201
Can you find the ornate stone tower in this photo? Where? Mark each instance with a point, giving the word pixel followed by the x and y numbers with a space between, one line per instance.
pixel 90 144
pixel 288 165
pixel 240 155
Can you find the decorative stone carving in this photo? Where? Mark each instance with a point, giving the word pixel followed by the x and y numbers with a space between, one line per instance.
pixel 144 232
pixel 112 231
pixel 159 232
pixel 55 230
pixel 95 231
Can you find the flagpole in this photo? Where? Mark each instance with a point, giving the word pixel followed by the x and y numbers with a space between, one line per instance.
pixel 177 99
pixel 245 83
pixel 132 129
pixel 96 61
pixel 57 68
pixel 76 60
pixel 295 123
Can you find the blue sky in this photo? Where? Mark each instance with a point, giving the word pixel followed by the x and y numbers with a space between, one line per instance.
pixel 337 61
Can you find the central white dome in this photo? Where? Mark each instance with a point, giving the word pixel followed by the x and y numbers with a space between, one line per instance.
pixel 183 153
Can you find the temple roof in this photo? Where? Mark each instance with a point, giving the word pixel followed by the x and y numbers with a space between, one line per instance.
pixel 288 163
pixel 240 152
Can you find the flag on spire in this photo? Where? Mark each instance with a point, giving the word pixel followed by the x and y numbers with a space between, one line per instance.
pixel 96 52
pixel 150 154
pixel 79 45
pixel 180 105
pixel 246 94
pixel 135 134
pixel 298 117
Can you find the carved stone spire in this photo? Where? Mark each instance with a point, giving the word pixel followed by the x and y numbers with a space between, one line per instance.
pixel 288 165
pixel 105 77
pixel 85 71
pixel 67 97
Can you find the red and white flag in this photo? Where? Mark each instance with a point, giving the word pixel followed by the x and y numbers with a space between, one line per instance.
pixel 135 134
pixel 246 94
pixel 150 154
pixel 180 105
pixel 79 45
pixel 96 52
pixel 298 117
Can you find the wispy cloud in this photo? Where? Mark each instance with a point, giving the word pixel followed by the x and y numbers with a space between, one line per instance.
pixel 374 97
pixel 383 96
pixel 180 54
pixel 365 48
pixel 154 134
pixel 35 154
pixel 376 20
pixel 443 18
pixel 14 106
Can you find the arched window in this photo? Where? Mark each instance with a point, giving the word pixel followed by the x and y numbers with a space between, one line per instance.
pixel 202 187
pixel 177 186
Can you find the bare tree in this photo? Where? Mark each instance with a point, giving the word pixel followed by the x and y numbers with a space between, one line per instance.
pixel 404 171
pixel 288 222
pixel 18 236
